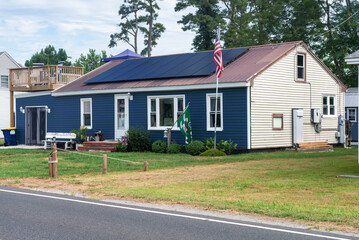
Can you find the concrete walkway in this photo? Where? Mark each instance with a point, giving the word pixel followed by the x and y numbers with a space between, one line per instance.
pixel 22 147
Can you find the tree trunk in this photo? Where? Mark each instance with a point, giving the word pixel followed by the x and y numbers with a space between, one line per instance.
pixel 149 43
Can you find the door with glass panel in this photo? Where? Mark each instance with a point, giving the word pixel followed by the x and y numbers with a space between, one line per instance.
pixel 121 116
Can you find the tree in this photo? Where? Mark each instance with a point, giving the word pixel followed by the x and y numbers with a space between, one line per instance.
pixel 203 22
pixel 154 30
pixel 339 38
pixel 91 60
pixel 129 27
pixel 49 56
pixel 138 16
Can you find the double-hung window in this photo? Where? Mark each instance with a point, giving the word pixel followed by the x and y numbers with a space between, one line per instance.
pixel 211 111
pixel 329 106
pixel 352 114
pixel 163 111
pixel 4 81
pixel 301 67
pixel 86 112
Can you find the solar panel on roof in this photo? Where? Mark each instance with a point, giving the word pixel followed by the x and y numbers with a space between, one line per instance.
pixel 163 67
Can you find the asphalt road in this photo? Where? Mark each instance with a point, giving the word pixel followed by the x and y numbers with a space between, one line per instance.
pixel 34 215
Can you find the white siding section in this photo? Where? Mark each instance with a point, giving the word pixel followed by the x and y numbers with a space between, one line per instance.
pixel 276 92
pixel 5 64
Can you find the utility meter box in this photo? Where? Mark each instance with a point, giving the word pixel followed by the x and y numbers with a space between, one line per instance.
pixel 315 116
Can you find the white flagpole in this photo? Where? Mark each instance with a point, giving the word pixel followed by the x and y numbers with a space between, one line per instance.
pixel 216 107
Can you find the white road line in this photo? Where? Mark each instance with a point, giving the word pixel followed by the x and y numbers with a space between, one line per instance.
pixel 175 215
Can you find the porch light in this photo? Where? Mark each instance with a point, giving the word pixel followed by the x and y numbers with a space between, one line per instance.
pixel 130 96
pixel 48 109
pixel 22 110
pixel 165 133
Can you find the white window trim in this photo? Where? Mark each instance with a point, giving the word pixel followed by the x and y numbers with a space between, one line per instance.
pixel 7 81
pixel 355 110
pixel 304 77
pixel 82 100
pixel 328 103
pixel 208 107
pixel 175 109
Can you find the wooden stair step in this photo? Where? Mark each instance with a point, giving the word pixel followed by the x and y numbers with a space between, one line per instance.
pixel 96 148
pixel 101 143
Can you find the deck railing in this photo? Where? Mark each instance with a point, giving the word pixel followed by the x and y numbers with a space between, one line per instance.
pixel 44 77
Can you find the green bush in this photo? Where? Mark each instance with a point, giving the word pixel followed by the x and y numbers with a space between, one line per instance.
pixel 210 152
pixel 175 148
pixel 159 146
pixel 208 143
pixel 225 146
pixel 195 147
pixel 138 139
pixel 122 145
pixel 81 134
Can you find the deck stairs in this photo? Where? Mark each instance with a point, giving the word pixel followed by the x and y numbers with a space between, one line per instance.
pixel 313 146
pixel 101 146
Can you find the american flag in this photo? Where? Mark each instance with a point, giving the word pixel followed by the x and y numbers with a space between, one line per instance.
pixel 218 56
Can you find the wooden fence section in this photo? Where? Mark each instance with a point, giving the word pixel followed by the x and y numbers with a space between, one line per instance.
pixel 42 78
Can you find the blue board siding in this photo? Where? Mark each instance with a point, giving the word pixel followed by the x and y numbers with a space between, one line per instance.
pixel 354 129
pixel 65 114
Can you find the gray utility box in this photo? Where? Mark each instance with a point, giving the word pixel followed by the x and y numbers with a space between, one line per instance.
pixel 315 116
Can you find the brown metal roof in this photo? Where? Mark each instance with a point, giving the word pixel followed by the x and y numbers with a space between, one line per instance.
pixel 243 69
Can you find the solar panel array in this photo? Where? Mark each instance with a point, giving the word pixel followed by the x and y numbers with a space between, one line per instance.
pixel 164 67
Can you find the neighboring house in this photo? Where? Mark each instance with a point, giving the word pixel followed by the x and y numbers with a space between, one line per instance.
pixel 351 111
pixel 6 62
pixel 351 101
pixel 266 94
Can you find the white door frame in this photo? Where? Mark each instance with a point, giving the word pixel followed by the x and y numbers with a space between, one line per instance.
pixel 119 133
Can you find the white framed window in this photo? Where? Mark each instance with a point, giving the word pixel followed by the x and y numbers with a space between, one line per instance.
pixel 301 67
pixel 329 105
pixel 211 107
pixel 352 114
pixel 277 122
pixel 86 112
pixel 4 81
pixel 163 111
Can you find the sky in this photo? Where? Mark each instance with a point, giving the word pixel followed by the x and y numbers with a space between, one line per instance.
pixel 27 26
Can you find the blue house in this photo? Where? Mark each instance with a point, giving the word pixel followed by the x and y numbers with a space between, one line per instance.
pixel 259 90
pixel 351 111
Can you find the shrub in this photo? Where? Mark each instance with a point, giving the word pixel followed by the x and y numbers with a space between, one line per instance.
pixel 208 143
pixel 195 147
pixel 210 152
pixel 122 145
pixel 159 146
pixel 81 134
pixel 175 148
pixel 225 146
pixel 138 139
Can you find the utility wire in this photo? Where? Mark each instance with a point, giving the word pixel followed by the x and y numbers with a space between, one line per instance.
pixel 339 24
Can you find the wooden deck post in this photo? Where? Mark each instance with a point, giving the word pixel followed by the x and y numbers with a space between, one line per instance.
pixel 104 164
pixel 57 75
pixel 12 117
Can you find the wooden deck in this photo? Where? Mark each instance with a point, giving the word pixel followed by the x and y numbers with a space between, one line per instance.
pixel 42 78
pixel 314 146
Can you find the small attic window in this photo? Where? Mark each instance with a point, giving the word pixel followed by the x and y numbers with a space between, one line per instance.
pixel 301 67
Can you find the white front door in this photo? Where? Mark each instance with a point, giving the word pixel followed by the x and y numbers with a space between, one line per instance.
pixel 121 116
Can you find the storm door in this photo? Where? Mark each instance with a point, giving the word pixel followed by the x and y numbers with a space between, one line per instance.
pixel 121 116
pixel 35 122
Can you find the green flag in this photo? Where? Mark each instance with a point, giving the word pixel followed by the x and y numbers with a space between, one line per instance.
pixel 184 124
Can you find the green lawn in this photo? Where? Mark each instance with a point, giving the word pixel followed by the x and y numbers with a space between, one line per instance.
pixel 284 184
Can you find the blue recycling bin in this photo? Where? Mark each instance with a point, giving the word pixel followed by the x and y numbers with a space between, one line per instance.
pixel 9 136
